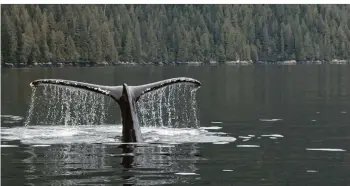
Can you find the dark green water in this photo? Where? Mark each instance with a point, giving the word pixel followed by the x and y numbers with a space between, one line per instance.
pixel 291 124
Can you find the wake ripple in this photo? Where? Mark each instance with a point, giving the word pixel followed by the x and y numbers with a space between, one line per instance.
pixel 109 134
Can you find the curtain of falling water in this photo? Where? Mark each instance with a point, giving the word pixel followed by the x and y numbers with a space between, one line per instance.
pixel 171 106
pixel 31 107
pixel 52 105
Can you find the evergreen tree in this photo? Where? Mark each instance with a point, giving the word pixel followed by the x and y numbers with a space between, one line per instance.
pixel 168 33
pixel 8 39
pixel 72 52
pixel 128 47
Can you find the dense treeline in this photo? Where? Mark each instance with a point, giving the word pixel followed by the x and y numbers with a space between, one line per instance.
pixel 168 33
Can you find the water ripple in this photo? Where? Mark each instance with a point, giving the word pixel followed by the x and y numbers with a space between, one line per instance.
pixel 109 134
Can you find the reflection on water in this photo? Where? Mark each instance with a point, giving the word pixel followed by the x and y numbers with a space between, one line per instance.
pixel 291 124
pixel 96 164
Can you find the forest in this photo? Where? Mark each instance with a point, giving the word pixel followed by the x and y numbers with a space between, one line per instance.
pixel 173 33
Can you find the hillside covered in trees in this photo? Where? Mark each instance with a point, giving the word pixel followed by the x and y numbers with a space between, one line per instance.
pixel 168 33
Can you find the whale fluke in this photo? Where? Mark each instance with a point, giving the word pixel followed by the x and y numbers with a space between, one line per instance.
pixel 143 89
pixel 113 91
pixel 126 97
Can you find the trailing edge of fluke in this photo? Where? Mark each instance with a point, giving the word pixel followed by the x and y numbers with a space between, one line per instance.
pixel 126 97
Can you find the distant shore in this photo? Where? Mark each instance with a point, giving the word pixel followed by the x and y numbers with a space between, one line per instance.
pixel 191 63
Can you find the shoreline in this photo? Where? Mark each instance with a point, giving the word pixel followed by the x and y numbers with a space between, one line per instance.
pixel 190 63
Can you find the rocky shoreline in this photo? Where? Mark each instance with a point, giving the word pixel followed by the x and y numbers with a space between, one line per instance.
pixel 191 63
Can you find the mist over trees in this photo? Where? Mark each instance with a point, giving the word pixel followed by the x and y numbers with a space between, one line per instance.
pixel 168 33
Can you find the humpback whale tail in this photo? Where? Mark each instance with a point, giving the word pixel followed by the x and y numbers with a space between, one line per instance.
pixel 126 97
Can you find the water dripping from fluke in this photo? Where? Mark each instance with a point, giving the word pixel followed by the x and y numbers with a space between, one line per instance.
pixel 56 105
pixel 63 110
pixel 171 106
pixel 31 107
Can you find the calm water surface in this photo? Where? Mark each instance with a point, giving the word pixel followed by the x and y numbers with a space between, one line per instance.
pixel 291 124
